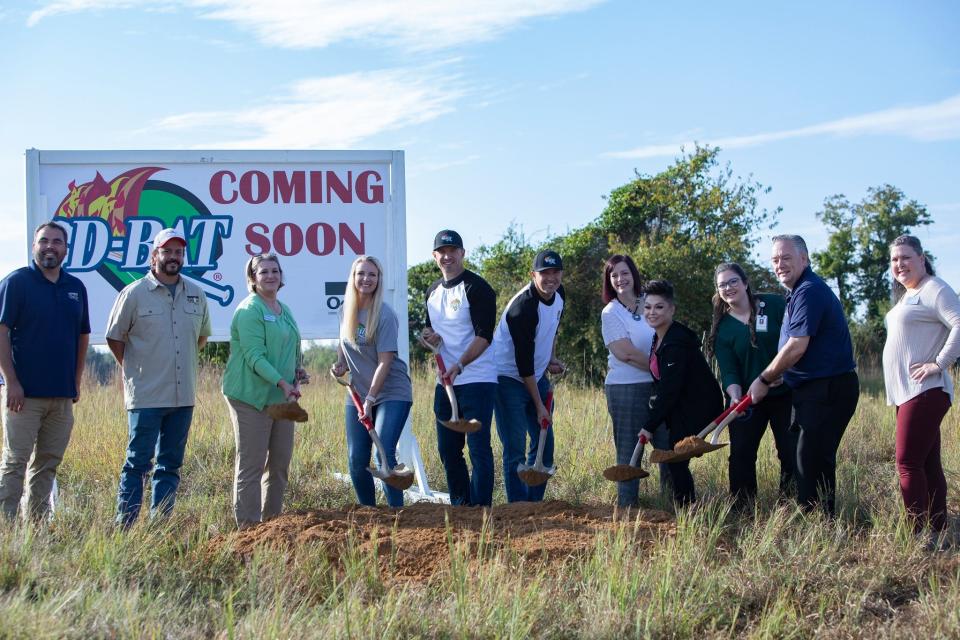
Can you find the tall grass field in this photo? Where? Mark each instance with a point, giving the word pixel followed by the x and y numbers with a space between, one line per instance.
pixel 772 573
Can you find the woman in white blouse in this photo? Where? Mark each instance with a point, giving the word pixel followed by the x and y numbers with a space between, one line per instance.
pixel 923 342
pixel 629 384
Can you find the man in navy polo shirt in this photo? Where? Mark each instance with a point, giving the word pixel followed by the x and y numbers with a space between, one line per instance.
pixel 816 360
pixel 44 333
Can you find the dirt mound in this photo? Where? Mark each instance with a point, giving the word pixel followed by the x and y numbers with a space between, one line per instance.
pixel 413 543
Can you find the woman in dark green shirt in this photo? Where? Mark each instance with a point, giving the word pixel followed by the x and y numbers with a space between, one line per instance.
pixel 744 337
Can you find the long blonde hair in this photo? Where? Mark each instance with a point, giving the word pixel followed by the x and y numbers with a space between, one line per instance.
pixel 351 305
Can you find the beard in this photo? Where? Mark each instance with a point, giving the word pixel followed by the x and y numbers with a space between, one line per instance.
pixel 169 267
pixel 47 259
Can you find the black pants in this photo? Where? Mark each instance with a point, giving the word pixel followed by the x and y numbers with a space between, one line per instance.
pixel 824 408
pixel 745 436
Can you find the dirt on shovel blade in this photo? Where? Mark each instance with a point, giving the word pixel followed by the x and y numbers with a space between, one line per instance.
pixel 411 545
pixel 399 477
pixel 624 472
pixel 689 447
pixel 533 478
pixel 287 411
pixel 463 426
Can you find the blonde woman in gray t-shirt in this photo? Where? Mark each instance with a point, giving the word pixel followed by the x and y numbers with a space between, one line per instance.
pixel 923 342
pixel 368 349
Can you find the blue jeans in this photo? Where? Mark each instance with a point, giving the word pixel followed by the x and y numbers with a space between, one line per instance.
pixel 475 400
pixel 159 433
pixel 388 419
pixel 516 421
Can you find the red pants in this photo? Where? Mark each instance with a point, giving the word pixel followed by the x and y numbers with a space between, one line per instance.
pixel 922 483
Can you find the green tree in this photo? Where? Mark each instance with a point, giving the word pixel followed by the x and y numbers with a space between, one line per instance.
pixel 678 224
pixel 857 257
pixel 838 262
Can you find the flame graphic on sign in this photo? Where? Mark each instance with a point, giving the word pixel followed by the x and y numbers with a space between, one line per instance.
pixel 113 201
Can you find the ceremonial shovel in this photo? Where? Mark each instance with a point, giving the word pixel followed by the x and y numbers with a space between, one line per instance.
pixel 632 471
pixel 399 477
pixel 696 446
pixel 291 410
pixel 537 474
pixel 455 423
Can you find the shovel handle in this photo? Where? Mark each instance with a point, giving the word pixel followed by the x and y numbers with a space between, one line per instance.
pixel 545 424
pixel 365 420
pixel 637 450
pixel 728 416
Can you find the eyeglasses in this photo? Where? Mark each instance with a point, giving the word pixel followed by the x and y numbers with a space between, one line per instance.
pixel 732 282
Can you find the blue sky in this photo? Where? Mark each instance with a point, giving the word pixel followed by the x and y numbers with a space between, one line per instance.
pixel 524 111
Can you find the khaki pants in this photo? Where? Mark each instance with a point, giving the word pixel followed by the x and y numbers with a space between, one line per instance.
pixel 264 450
pixel 36 435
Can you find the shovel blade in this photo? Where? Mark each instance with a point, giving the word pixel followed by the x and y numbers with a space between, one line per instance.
pixel 287 411
pixel 535 475
pixel 463 425
pixel 692 447
pixel 624 472
pixel 399 477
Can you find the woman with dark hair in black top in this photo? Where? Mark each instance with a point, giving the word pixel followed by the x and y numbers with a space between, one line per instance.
pixel 686 394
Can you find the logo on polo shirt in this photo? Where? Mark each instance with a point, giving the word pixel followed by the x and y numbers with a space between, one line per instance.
pixel 74 295
pixel 111 225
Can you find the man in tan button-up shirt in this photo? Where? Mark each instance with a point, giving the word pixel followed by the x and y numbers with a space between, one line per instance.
pixel 156 329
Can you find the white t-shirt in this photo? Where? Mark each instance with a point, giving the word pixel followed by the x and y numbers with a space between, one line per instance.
pixel 616 323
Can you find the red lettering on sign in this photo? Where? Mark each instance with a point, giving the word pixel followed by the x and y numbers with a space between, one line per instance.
pixel 262 187
pixel 259 243
pixel 320 239
pixel 286 187
pixel 369 193
pixel 284 245
pixel 216 187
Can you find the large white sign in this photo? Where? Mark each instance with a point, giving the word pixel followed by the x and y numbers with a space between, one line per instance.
pixel 317 210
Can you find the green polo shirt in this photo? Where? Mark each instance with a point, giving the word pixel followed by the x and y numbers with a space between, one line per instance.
pixel 264 348
pixel 741 362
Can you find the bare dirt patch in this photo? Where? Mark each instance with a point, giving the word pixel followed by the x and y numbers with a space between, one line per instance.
pixel 414 543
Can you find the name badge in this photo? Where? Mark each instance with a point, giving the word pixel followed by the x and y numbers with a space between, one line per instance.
pixel 762 324
pixel 269 318
pixel 912 300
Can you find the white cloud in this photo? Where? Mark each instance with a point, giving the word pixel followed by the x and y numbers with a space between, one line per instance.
pixel 937 121
pixel 411 24
pixel 327 112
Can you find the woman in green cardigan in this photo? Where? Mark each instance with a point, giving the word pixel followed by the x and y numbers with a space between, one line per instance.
pixel 744 336
pixel 262 370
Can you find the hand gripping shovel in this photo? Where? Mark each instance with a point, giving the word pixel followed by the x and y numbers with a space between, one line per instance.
pixel 291 410
pixel 455 423
pixel 696 446
pixel 399 477
pixel 632 471
pixel 537 474
pixel 288 410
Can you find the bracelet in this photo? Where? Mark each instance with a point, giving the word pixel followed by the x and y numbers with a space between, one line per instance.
pixel 459 366
pixel 763 380
pixel 371 398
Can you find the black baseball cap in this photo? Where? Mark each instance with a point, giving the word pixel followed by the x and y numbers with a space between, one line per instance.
pixel 447 238
pixel 547 260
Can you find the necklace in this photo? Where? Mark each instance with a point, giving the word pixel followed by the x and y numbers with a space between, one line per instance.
pixel 635 312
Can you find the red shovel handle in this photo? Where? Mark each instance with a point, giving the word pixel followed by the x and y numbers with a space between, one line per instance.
pixel 365 421
pixel 744 403
pixel 545 424
pixel 440 366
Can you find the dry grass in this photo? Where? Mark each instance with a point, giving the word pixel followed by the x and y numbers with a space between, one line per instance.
pixel 773 573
